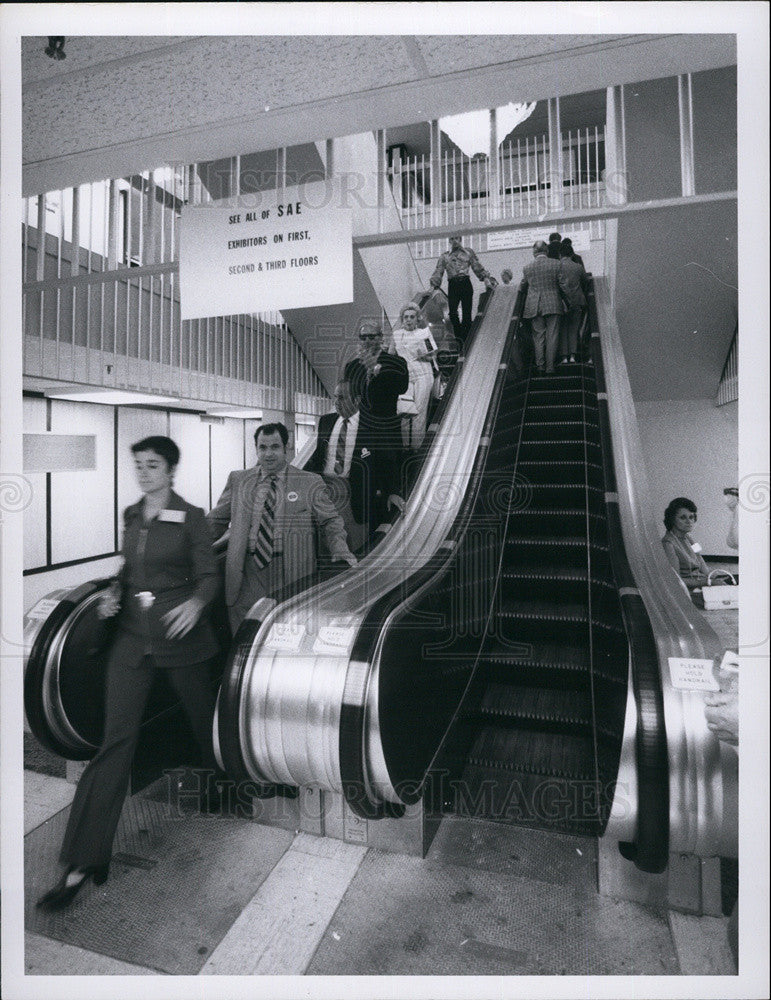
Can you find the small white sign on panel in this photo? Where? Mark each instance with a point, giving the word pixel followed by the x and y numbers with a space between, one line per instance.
pixel 692 674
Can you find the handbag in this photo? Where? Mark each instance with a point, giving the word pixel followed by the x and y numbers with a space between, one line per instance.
pixel 718 596
pixel 406 405
pixel 437 389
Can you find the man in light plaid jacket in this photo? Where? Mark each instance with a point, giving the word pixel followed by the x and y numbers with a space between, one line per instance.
pixel 544 305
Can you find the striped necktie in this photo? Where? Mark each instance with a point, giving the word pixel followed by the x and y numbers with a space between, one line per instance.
pixel 263 549
pixel 340 450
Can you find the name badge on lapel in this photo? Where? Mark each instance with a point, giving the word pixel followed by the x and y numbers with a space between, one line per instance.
pixel 173 516
pixel 292 496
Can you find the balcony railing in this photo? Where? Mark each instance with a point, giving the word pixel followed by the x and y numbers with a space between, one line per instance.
pixel 526 182
pixel 101 303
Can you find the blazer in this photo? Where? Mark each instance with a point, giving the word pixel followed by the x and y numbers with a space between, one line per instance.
pixel 689 564
pixel 171 557
pixel 573 283
pixel 541 278
pixel 359 472
pixel 379 425
pixel 306 505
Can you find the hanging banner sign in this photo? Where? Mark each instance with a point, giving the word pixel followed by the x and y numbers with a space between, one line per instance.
pixel 265 251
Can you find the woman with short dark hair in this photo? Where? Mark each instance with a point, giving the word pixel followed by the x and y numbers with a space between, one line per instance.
pixel 679 548
pixel 167 581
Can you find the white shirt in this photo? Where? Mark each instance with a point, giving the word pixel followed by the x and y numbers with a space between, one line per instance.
pixel 350 444
pixel 410 343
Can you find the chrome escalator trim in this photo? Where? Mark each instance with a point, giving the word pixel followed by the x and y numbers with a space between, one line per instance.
pixel 696 773
pixel 291 705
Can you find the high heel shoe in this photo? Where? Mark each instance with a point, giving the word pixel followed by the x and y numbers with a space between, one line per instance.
pixel 63 894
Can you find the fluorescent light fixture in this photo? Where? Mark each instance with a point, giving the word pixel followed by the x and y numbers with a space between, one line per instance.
pixel 471 130
pixel 109 397
pixel 239 412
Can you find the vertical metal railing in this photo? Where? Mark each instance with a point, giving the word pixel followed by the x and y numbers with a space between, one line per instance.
pixel 524 181
pixel 101 301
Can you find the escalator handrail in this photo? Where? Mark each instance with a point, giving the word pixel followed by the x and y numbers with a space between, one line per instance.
pixel 353 722
pixel 650 850
pixel 697 823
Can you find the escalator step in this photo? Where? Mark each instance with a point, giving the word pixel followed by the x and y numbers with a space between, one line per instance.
pixel 559 451
pixel 560 472
pixel 536 616
pixel 541 802
pixel 567 381
pixel 559 755
pixel 546 393
pixel 558 584
pixel 566 550
pixel 547 663
pixel 559 430
pixel 539 707
pixel 555 524
pixel 551 408
pixel 534 704
pixel 566 496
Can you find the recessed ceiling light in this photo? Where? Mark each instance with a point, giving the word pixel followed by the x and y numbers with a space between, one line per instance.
pixel 239 412
pixel 109 397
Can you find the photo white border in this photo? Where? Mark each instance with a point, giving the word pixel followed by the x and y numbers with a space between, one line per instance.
pixel 750 22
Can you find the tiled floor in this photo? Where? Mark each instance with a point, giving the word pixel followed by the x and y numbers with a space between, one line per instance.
pixel 487 900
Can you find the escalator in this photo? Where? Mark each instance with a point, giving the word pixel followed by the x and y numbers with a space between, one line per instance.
pixel 498 659
pixel 537 738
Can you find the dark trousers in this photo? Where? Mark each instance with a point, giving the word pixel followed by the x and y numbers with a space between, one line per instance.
pixel 102 788
pixel 569 324
pixel 460 291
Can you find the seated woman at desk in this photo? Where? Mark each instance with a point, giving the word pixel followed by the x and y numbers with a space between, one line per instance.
pixel 679 548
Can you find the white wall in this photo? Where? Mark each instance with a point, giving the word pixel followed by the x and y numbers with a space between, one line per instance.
pixel 690 449
pixel 83 504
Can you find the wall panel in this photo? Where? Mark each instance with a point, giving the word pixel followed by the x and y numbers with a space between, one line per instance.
pixel 227 453
pixel 690 449
pixel 192 437
pixel 82 503
pixel 34 417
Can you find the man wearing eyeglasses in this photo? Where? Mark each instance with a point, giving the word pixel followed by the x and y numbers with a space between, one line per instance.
pixel 378 379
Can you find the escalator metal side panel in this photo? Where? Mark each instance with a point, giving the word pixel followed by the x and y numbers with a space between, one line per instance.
pixel 47 628
pixel 697 772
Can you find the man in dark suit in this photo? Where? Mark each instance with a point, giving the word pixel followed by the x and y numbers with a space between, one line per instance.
pixel 543 305
pixel 567 243
pixel 338 459
pixel 553 247
pixel 378 379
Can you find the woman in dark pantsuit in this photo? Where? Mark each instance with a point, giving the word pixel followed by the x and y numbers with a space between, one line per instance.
pixel 166 583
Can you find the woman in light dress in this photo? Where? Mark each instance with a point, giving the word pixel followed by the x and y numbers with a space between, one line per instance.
pixel 418 348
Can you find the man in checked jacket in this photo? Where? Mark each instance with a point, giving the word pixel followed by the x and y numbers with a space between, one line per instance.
pixel 544 304
pixel 457 261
